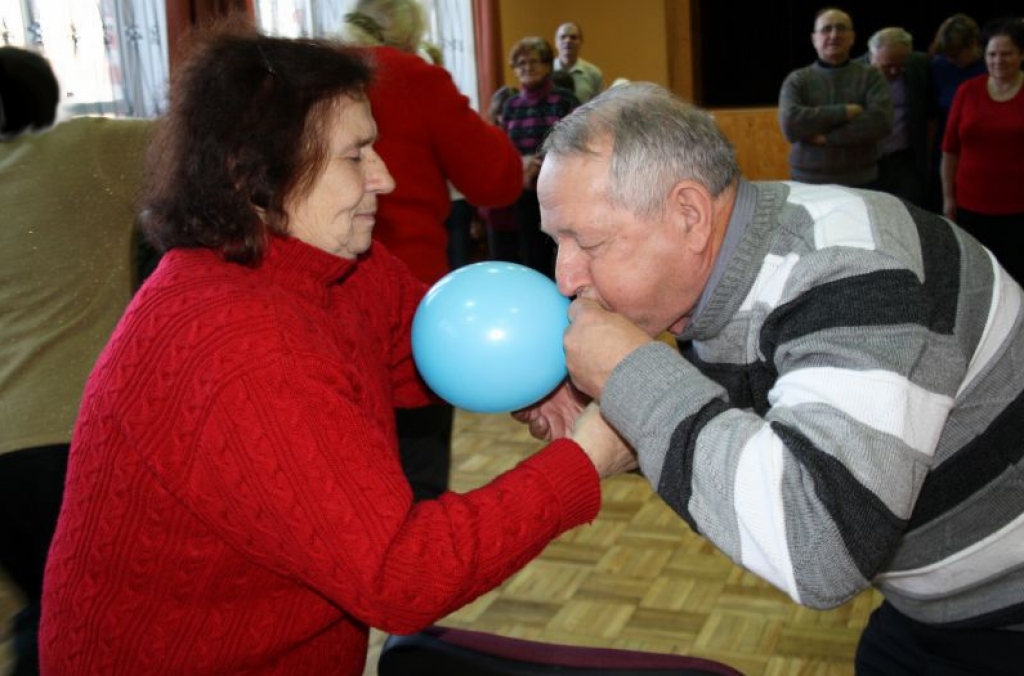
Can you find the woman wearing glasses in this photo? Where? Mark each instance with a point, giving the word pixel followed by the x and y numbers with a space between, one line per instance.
pixel 527 118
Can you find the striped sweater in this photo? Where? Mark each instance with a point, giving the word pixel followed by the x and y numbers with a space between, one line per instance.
pixel 849 412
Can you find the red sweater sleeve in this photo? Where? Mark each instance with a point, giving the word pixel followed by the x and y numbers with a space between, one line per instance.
pixel 302 481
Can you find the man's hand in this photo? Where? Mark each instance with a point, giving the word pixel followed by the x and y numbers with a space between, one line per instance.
pixel 595 342
pixel 553 416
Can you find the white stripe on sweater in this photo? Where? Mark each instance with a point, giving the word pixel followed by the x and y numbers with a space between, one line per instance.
pixel 771 281
pixel 840 216
pixel 875 398
pixel 760 513
pixel 1003 315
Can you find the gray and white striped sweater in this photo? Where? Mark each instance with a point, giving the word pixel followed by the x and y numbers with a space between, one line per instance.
pixel 850 411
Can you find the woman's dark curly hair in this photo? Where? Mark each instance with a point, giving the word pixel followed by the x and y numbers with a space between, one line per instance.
pixel 245 133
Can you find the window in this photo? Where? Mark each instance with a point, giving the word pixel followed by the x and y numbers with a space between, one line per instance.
pixel 110 56
pixel 449 26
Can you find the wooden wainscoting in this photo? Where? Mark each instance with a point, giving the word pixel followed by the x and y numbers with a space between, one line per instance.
pixel 760 146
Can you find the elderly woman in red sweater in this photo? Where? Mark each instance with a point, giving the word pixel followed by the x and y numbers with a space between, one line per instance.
pixel 234 500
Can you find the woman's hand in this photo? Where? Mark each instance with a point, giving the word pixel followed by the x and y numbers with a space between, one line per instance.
pixel 608 451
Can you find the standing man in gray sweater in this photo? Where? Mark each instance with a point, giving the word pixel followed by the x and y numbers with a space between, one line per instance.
pixel 835 111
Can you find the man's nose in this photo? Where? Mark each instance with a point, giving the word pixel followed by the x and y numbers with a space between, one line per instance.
pixel 570 272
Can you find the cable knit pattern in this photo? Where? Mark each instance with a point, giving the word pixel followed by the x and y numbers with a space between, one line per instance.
pixel 235 503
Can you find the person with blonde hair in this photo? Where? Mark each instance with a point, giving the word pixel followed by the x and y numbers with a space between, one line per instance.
pixel 433 140
pixel 395 23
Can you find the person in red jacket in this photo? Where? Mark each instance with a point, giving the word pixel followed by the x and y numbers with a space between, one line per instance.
pixel 431 138
pixel 234 500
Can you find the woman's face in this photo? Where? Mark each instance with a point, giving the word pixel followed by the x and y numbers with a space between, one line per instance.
pixel 1003 58
pixel 338 212
pixel 530 70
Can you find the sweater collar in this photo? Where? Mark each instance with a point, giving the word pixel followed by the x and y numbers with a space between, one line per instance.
pixel 832 66
pixel 535 95
pixel 748 236
pixel 303 268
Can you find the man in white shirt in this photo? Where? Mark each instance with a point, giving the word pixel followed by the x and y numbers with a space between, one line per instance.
pixel 587 77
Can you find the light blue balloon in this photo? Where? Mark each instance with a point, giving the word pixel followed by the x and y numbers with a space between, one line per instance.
pixel 487 337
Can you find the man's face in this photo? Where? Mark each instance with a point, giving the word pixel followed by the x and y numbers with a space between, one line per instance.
pixel 568 40
pixel 636 267
pixel 890 60
pixel 833 36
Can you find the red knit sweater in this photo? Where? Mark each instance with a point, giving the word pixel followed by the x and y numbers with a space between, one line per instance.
pixel 235 502
pixel 429 135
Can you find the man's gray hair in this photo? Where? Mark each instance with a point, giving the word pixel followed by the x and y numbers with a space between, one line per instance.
pixel 657 141
pixel 890 37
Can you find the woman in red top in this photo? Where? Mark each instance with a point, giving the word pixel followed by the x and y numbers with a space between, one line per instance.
pixel 432 139
pixel 982 151
pixel 234 501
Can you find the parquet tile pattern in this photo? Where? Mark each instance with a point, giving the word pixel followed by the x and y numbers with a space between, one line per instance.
pixel 636 578
pixel 639 578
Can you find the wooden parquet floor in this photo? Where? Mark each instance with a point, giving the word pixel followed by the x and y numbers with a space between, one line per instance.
pixel 636 578
pixel 639 578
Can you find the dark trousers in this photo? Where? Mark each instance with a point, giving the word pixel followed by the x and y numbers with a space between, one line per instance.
pixel 999 234
pixel 536 250
pixel 895 645
pixel 502 237
pixel 425 446
pixel 31 488
pixel 460 240
pixel 898 174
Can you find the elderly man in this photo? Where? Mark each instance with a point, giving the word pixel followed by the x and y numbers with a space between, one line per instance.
pixel 834 111
pixel 587 78
pixel 847 408
pixel 903 154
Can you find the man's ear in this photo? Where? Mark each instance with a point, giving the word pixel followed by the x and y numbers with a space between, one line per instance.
pixel 692 207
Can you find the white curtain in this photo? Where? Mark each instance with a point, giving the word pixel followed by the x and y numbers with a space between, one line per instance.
pixel 302 18
pixel 110 56
pixel 449 26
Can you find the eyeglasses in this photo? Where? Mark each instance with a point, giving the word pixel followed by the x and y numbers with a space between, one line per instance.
pixel 837 28
pixel 523 63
